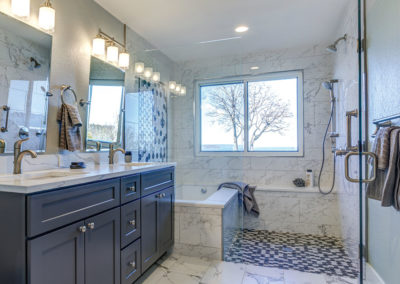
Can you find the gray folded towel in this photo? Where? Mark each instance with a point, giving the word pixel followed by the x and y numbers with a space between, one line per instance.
pixel 70 123
pixel 387 180
pixel 247 191
pixel 381 147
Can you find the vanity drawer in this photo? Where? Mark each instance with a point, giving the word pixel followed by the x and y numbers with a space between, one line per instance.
pixel 157 180
pixel 130 222
pixel 130 263
pixel 50 210
pixel 130 188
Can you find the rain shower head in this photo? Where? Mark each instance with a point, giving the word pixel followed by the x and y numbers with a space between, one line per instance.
pixel 329 84
pixel 333 47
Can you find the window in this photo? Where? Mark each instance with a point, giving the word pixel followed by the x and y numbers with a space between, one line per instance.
pixel 105 113
pixel 251 116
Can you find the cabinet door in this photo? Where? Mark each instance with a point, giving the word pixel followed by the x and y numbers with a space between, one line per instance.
pixel 57 257
pixel 149 215
pixel 102 248
pixel 166 220
pixel 130 223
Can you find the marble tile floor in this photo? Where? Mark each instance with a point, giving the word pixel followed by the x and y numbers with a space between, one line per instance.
pixel 176 269
pixel 292 251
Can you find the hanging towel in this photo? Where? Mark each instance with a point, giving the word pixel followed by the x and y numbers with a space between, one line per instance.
pixel 70 123
pixel 247 192
pixel 383 188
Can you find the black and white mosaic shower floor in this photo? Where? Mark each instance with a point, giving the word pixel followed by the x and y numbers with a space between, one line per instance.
pixel 306 253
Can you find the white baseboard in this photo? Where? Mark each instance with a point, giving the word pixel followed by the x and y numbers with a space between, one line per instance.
pixel 373 276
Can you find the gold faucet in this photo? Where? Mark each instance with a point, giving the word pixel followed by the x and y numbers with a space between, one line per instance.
pixel 98 146
pixel 18 155
pixel 2 146
pixel 112 152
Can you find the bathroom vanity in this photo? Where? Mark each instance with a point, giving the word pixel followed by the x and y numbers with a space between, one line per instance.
pixel 104 225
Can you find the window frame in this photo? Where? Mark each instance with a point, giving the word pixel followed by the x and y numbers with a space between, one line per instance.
pixel 299 74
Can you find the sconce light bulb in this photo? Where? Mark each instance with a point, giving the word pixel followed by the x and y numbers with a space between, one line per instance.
pixel 21 8
pixel 112 54
pixel 172 85
pixel 148 72
pixel 183 91
pixel 178 88
pixel 99 46
pixel 124 58
pixel 156 76
pixel 139 67
pixel 47 16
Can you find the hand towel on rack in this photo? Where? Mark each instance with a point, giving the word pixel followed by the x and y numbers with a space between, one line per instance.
pixel 70 134
pixel 383 188
pixel 381 147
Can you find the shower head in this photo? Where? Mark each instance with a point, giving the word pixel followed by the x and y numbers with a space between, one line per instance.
pixel 333 47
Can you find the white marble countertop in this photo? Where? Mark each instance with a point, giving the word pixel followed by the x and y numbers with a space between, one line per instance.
pixel 40 181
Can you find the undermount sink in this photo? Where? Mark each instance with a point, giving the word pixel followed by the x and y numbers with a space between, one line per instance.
pixel 137 164
pixel 41 175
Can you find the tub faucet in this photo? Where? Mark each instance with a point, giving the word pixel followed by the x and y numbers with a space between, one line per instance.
pixel 112 152
pixel 18 155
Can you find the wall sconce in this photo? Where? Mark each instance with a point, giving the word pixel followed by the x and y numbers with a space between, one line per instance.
pixel 172 85
pixel 183 91
pixel 112 53
pixel 99 46
pixel 124 59
pixel 139 67
pixel 156 77
pixel 148 72
pixel 178 88
pixel 47 16
pixel 21 8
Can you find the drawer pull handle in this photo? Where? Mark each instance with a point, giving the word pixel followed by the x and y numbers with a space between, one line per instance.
pixel 132 222
pixel 91 226
pixel 82 229
pixel 161 195
pixel 132 264
pixel 132 188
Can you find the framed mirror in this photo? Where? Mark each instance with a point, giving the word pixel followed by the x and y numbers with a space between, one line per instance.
pixel 25 56
pixel 106 101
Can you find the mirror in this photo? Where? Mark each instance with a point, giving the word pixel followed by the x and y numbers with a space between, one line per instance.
pixel 106 100
pixel 25 70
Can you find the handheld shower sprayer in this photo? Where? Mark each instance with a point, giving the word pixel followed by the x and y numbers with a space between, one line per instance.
pixel 329 86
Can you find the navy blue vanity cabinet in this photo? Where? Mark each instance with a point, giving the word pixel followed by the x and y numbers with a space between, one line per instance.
pixel 85 252
pixel 165 220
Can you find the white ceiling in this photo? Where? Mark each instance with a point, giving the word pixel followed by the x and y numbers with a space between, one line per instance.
pixel 177 27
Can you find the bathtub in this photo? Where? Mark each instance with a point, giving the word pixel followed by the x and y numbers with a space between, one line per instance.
pixel 206 220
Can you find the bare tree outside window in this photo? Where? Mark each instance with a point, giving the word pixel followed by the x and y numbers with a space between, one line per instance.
pixel 267 112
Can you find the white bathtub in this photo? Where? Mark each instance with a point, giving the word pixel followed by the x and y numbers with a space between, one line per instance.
pixel 205 221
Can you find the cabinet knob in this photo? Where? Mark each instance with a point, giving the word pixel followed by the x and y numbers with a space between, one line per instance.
pixel 91 226
pixel 82 229
pixel 132 222
pixel 132 264
pixel 132 188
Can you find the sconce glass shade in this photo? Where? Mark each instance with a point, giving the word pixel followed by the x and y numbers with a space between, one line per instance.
pixel 148 72
pixel 99 46
pixel 183 91
pixel 21 8
pixel 156 76
pixel 47 16
pixel 112 54
pixel 178 88
pixel 139 67
pixel 124 60
pixel 172 85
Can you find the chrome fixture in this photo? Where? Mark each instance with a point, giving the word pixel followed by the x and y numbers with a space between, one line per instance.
pixel 333 135
pixel 2 146
pixel 83 103
pixel 112 153
pixel 333 47
pixel 7 110
pixel 18 155
pixel 349 116
pixel 23 132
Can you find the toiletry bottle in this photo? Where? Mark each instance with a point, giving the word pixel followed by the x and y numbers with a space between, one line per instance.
pixel 309 178
pixel 128 157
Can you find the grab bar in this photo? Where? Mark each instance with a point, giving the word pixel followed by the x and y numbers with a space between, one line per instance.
pixel 7 110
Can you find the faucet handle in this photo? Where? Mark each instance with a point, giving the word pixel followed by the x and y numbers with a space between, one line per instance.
pixel 18 143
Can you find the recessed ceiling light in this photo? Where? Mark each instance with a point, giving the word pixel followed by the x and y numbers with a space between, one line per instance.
pixel 254 68
pixel 241 29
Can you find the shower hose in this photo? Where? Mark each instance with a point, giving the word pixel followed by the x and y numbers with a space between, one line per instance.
pixel 323 157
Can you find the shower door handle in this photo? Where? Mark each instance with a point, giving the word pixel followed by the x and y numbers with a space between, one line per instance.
pixel 7 110
pixel 366 154
pixel 349 116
